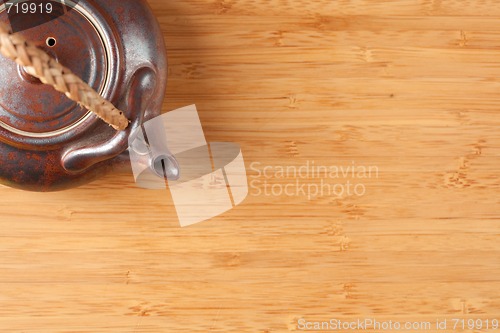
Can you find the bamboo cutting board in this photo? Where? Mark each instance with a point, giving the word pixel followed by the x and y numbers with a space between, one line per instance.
pixel 408 88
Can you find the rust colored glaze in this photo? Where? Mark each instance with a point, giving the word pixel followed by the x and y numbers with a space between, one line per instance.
pixel 48 142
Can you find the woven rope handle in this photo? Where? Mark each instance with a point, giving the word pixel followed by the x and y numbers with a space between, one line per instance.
pixel 42 66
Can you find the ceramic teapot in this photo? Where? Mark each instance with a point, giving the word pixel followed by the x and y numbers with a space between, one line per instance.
pixel 49 142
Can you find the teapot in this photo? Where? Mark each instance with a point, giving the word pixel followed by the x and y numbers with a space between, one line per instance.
pixel 48 142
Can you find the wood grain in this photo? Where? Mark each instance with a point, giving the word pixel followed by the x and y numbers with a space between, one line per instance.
pixel 409 86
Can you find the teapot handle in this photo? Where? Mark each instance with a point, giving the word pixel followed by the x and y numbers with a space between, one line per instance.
pixel 140 91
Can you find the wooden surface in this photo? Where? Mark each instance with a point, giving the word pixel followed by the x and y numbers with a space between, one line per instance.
pixel 409 86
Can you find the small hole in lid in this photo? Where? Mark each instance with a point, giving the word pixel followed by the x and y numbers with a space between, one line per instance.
pixel 51 42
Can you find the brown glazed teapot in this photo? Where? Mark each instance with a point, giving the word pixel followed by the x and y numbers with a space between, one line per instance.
pixel 47 141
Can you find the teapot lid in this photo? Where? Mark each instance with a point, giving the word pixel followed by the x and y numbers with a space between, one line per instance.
pixel 78 40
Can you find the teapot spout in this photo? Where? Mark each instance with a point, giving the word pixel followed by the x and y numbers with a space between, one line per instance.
pixel 149 151
pixel 166 166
